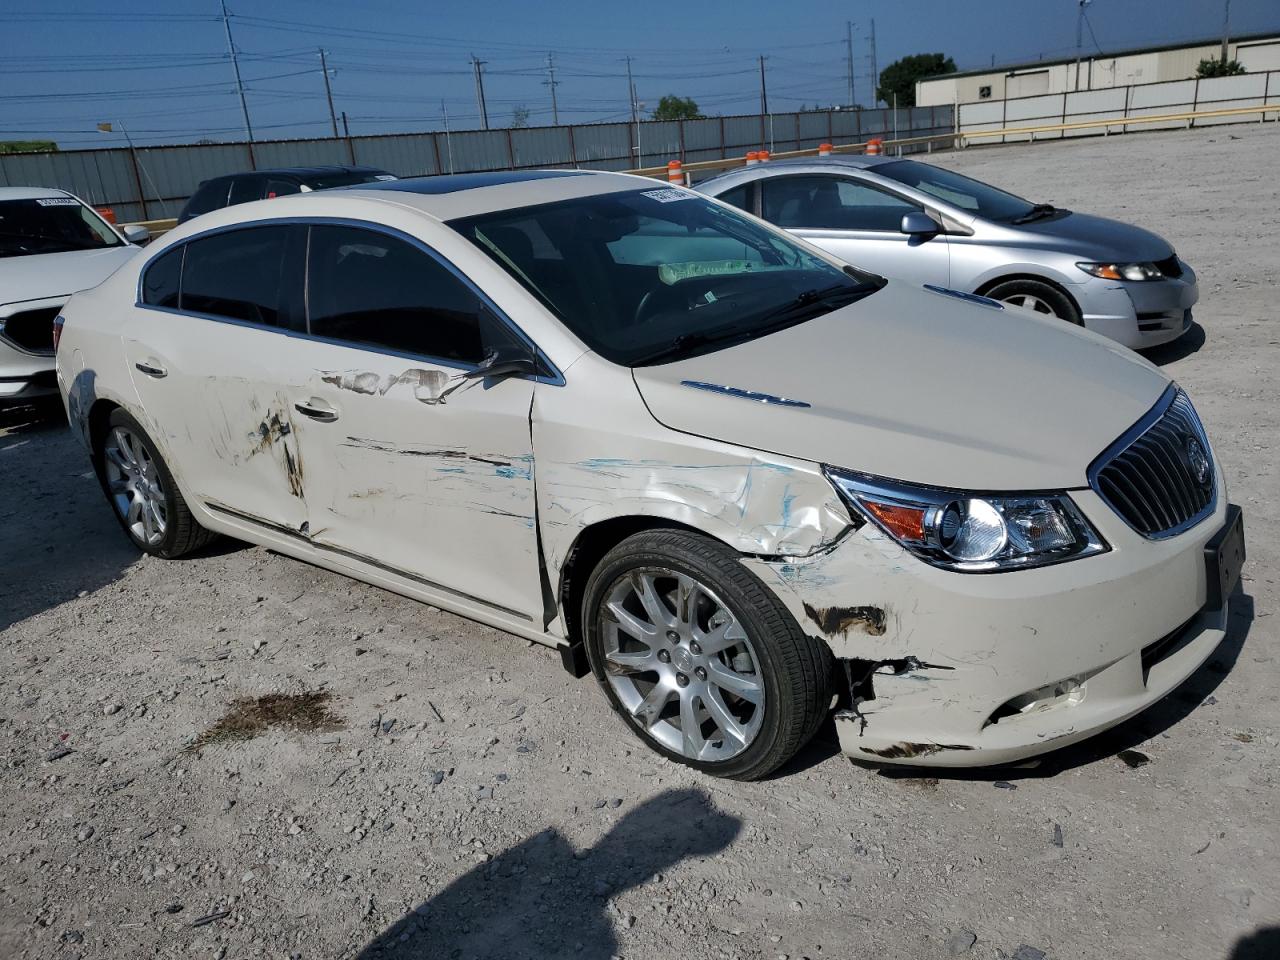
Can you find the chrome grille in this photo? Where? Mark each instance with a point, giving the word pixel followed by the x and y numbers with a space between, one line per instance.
pixel 30 330
pixel 1159 476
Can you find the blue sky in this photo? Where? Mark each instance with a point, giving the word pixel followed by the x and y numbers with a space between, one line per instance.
pixel 162 68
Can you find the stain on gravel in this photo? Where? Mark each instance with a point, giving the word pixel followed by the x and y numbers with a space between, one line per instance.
pixel 249 717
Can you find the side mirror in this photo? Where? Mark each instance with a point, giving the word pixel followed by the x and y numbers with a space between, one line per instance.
pixel 918 223
pixel 136 233
pixel 503 363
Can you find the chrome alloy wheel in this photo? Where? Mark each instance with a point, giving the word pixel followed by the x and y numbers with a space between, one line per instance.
pixel 681 665
pixel 133 481
pixel 1029 301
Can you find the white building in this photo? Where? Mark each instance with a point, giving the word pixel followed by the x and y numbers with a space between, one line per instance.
pixel 1256 53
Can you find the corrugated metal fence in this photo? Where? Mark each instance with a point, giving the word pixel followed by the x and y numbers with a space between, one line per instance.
pixel 153 182
pixel 1114 103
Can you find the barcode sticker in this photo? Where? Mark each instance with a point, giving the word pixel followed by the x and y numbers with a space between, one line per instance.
pixel 59 202
pixel 669 196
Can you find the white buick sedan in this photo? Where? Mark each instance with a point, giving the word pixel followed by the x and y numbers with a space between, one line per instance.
pixel 740 483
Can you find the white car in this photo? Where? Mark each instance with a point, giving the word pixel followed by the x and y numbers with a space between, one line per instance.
pixel 51 245
pixel 739 482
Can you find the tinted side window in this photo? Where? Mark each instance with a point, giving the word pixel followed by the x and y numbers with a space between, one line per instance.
pixel 244 189
pixel 160 282
pixel 239 274
pixel 740 197
pixel 281 188
pixel 369 288
pixel 212 195
pixel 834 203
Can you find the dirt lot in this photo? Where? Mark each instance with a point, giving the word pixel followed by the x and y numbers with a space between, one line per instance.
pixel 458 795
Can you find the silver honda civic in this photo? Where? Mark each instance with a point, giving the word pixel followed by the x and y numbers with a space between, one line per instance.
pixel 914 221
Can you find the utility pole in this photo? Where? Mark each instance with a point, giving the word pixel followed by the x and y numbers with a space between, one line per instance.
pixel 1226 25
pixel 235 65
pixel 552 82
pixel 484 113
pixel 635 108
pixel 875 69
pixel 764 93
pixel 1079 37
pixel 333 117
pixel 848 42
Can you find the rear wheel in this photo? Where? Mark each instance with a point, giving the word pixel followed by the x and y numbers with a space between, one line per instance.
pixel 702 662
pixel 143 493
pixel 1037 297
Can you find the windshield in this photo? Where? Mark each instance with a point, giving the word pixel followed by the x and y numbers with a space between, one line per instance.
pixel 650 276
pixel 51 225
pixel 969 195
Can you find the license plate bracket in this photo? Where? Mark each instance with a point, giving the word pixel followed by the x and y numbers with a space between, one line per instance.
pixel 1224 557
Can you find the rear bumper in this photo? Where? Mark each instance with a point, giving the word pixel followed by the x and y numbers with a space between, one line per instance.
pixel 971 670
pixel 1139 315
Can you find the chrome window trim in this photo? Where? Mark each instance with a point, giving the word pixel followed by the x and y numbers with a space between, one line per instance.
pixel 1126 439
pixel 555 378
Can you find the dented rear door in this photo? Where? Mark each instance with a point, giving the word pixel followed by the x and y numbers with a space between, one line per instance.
pixel 410 466
pixel 210 370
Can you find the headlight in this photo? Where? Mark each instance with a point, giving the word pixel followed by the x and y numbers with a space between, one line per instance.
pixel 1122 271
pixel 972 533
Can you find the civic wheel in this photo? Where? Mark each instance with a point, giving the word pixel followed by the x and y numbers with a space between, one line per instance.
pixel 1037 297
pixel 143 493
pixel 699 658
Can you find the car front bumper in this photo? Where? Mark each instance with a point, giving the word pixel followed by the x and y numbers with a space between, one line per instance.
pixel 959 670
pixel 25 374
pixel 1139 314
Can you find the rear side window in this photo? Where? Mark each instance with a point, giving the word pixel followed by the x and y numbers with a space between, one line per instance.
pixel 368 288
pixel 212 195
pixel 739 197
pixel 162 280
pixel 240 275
pixel 834 203
pixel 244 189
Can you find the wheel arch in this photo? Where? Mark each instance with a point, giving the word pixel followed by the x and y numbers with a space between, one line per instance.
pixel 987 285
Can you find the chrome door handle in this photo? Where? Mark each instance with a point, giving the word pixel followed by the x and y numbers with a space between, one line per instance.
pixel 324 414
pixel 151 370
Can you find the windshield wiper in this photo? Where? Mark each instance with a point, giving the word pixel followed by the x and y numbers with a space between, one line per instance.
pixel 678 346
pixel 1037 212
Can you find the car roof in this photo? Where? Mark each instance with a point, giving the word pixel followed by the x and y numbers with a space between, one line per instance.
pixel 457 195
pixel 320 171
pixel 834 163
pixel 31 193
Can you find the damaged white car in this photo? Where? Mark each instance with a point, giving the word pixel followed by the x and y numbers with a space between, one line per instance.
pixel 739 482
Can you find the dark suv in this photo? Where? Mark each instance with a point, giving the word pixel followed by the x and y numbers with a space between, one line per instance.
pixel 264 184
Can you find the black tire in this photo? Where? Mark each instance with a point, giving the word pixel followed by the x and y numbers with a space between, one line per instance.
pixel 794 669
pixel 1020 293
pixel 182 534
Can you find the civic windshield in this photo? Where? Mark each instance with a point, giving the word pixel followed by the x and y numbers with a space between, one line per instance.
pixel 969 195
pixel 51 225
pixel 649 276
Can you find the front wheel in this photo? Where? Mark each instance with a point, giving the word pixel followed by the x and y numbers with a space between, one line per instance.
pixel 701 661
pixel 1037 297
pixel 143 493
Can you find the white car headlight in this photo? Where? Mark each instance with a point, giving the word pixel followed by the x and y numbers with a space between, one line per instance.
pixel 972 533
pixel 1122 271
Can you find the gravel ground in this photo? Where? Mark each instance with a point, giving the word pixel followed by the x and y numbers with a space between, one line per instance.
pixel 458 795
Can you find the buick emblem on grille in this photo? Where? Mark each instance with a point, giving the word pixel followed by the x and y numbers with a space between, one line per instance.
pixel 1198 460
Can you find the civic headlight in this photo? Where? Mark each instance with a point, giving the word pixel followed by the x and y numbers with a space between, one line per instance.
pixel 972 533
pixel 1123 271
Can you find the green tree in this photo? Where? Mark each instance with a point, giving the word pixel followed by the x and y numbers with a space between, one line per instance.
pixel 1214 67
pixel 672 107
pixel 900 76
pixel 27 146
pixel 520 116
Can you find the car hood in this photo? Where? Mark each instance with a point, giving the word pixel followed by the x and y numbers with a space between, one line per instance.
pixel 1097 238
pixel 44 275
pixel 920 386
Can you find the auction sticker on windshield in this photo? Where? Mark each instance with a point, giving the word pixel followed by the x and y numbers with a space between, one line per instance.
pixel 669 196
pixel 59 202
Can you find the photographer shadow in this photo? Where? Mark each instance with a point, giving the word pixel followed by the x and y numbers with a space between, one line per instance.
pixel 544 899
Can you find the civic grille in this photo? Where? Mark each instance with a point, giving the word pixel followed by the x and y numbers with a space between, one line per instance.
pixel 1170 266
pixel 30 330
pixel 1159 476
